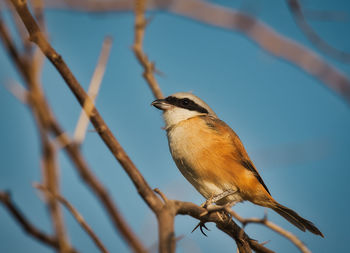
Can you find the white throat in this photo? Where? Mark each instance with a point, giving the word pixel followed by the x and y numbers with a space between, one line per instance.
pixel 175 115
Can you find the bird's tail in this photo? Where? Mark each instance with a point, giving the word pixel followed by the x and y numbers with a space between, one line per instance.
pixel 295 219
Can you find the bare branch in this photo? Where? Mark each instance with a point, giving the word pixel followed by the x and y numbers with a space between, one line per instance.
pixel 301 246
pixel 50 179
pixel 5 199
pixel 297 11
pixel 244 243
pixel 94 87
pixel 149 68
pixel 80 219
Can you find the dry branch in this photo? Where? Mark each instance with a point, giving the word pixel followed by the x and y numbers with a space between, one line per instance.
pixel 29 228
pixel 149 67
pixel 51 181
pixel 79 218
pixel 295 240
pixel 227 226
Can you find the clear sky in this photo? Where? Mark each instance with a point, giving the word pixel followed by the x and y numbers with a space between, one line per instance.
pixel 295 130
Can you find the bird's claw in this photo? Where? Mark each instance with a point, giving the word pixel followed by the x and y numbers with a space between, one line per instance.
pixel 201 225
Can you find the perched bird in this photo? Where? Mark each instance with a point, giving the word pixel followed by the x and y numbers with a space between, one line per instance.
pixel 212 158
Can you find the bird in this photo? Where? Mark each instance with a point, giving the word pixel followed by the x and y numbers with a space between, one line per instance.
pixel 211 156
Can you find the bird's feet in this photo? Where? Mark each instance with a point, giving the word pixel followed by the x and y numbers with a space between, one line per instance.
pixel 201 225
pixel 213 208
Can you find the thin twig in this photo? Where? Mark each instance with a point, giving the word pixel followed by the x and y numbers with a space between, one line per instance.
pixel 295 240
pixel 29 228
pixel 51 181
pixel 79 218
pixel 94 87
pixel 149 68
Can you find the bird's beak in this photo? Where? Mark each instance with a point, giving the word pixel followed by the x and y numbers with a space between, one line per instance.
pixel 161 104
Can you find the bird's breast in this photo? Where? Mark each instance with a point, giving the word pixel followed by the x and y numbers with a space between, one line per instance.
pixel 201 154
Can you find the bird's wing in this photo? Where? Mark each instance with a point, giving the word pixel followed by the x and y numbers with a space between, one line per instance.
pixel 240 154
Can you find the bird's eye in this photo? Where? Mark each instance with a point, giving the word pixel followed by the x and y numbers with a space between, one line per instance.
pixel 185 101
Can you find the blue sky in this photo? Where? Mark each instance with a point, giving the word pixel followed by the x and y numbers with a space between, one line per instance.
pixel 295 130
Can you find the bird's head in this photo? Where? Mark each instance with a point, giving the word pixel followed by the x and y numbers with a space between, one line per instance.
pixel 181 106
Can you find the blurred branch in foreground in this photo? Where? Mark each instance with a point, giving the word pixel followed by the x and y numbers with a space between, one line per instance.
pixel 94 87
pixel 79 218
pixel 262 34
pixel 29 228
pixel 299 17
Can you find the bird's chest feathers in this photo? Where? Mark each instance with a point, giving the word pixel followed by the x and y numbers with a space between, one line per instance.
pixel 187 143
pixel 195 148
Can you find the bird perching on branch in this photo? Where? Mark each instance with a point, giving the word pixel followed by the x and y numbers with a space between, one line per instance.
pixel 213 159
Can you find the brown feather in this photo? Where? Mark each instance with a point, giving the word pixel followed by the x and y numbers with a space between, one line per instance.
pixel 296 219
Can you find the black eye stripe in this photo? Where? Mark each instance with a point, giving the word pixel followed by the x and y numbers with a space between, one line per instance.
pixel 186 103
